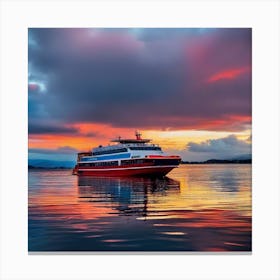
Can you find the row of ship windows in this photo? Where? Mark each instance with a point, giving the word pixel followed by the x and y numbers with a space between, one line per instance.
pixel 103 163
pixel 123 150
pixel 113 163
pixel 133 161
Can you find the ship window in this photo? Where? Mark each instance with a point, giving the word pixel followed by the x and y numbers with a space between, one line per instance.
pixel 132 161
pixel 84 164
pixel 106 163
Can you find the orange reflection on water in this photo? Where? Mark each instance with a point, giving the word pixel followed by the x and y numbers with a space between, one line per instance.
pixel 202 208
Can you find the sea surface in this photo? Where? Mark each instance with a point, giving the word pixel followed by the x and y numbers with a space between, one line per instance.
pixel 201 208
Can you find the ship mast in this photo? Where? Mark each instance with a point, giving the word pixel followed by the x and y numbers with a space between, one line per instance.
pixel 138 135
pixel 138 139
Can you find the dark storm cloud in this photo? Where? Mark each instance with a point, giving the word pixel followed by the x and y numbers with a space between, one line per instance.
pixel 143 77
pixel 46 128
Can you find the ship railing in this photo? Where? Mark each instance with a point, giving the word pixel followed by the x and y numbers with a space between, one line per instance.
pixel 142 145
pixel 109 148
pixel 113 147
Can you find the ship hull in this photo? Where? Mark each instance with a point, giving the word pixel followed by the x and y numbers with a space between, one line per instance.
pixel 125 171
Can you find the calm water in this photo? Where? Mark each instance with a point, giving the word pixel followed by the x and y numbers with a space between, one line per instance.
pixel 196 208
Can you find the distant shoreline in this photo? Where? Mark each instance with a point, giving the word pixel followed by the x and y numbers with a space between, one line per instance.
pixel 49 168
pixel 220 161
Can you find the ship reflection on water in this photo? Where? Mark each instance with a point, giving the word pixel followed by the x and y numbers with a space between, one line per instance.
pixel 196 208
pixel 128 196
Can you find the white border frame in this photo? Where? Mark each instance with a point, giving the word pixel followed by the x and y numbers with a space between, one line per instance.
pixel 262 16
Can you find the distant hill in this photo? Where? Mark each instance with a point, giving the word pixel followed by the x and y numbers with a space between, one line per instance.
pixel 243 157
pixel 44 163
pixel 238 159
pixel 228 161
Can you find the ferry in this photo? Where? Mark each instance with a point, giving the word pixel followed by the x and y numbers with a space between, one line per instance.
pixel 128 157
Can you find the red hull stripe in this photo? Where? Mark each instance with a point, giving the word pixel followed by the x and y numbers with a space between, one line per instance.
pixel 152 170
pixel 163 157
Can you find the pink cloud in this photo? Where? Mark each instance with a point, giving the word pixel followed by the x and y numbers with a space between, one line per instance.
pixel 228 74
pixel 33 87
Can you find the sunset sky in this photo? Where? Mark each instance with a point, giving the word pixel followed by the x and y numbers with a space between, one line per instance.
pixel 188 89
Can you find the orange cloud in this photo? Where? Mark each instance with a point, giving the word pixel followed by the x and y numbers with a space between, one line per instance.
pixel 93 134
pixel 226 123
pixel 48 141
pixel 228 74
pixel 90 135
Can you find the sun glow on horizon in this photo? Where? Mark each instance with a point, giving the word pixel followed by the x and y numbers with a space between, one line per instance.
pixel 177 139
pixel 89 138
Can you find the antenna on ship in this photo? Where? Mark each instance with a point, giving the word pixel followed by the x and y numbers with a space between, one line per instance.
pixel 138 135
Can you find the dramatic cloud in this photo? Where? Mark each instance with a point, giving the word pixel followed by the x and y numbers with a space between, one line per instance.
pixel 222 148
pixel 141 78
pixel 86 86
pixel 45 128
